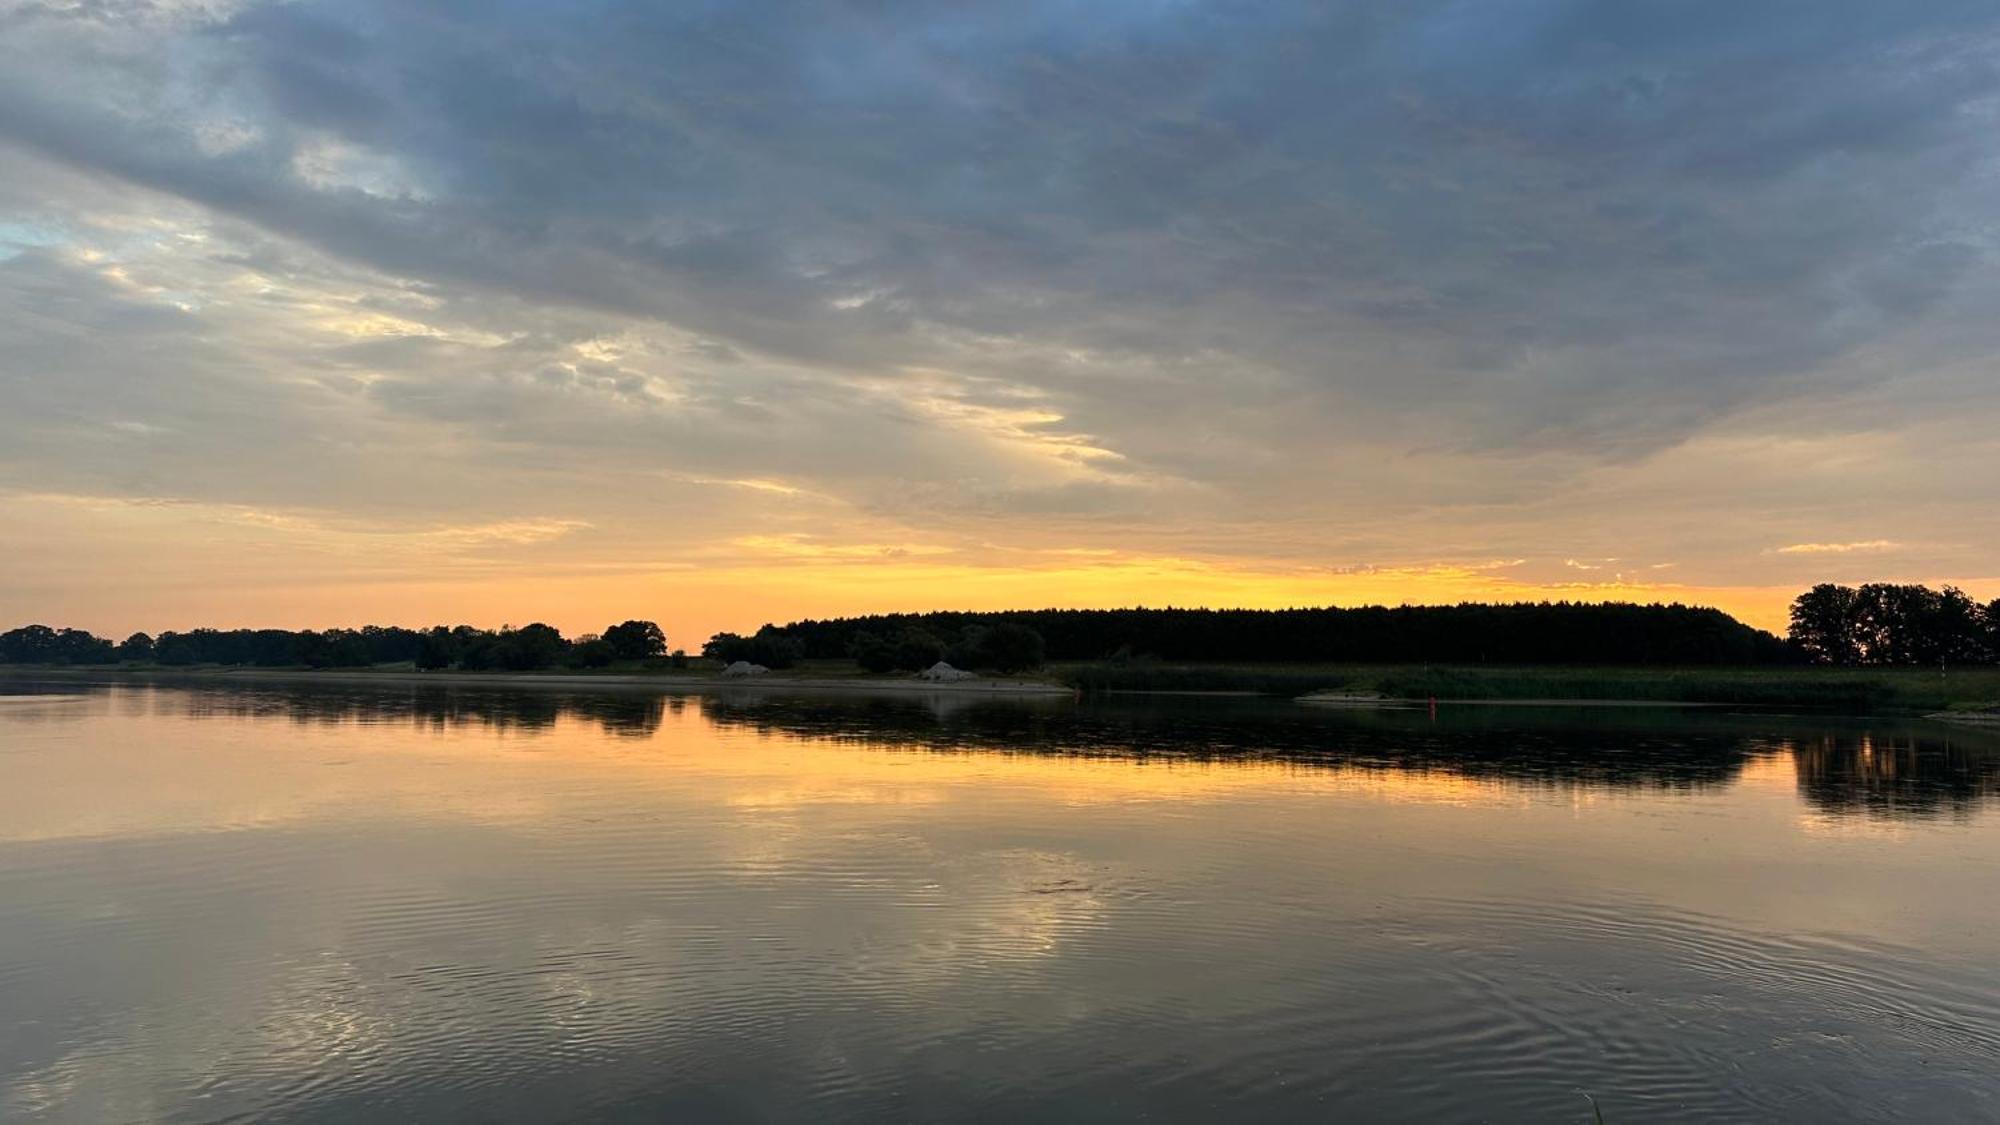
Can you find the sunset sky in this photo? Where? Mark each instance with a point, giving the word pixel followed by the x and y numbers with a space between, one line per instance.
pixel 335 311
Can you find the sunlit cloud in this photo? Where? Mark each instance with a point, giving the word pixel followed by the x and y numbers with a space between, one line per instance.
pixel 1861 545
pixel 753 484
pixel 1033 430
pixel 323 530
pixel 801 547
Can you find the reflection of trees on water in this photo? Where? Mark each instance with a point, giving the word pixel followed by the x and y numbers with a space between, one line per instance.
pixel 1871 767
pixel 1876 768
pixel 626 715
pixel 1899 775
pixel 1483 746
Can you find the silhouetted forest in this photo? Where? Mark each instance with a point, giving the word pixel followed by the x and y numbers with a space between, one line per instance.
pixel 1545 633
pixel 1884 623
pixel 528 648
pixel 1874 624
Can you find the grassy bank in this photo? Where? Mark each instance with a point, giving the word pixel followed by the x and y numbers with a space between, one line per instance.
pixel 1852 690
pixel 1845 689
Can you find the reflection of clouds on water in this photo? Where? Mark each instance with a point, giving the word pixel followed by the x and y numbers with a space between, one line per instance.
pixel 1002 905
pixel 46 1087
pixel 1041 898
pixel 438 987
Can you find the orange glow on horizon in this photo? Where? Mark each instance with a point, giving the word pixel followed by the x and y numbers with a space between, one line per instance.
pixel 693 605
pixel 153 568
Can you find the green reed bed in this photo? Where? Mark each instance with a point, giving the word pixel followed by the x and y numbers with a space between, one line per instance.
pixel 1844 689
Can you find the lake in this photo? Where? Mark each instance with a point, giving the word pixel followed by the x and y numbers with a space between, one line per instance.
pixel 427 904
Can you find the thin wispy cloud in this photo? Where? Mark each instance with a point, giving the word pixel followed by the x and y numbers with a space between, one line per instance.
pixel 1858 546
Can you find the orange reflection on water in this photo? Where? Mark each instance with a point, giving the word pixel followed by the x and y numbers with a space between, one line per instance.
pixel 252 758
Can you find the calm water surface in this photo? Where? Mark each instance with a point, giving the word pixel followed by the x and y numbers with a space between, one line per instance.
pixel 312 905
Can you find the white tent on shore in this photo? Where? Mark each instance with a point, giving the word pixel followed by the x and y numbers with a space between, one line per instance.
pixel 946 674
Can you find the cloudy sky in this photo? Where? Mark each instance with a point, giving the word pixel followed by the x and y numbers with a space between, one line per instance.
pixel 333 311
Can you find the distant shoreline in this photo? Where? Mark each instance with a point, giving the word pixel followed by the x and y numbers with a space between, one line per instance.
pixel 1968 697
pixel 566 681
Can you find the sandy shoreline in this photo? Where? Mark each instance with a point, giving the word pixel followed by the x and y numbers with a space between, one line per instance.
pixel 1988 718
pixel 556 681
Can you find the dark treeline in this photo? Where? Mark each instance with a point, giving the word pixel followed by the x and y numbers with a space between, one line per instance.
pixel 39 644
pixel 1884 623
pixel 1545 633
pixel 902 644
pixel 527 648
pixel 1873 624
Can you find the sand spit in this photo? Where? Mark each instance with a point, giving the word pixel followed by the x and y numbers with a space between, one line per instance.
pixel 1983 717
pixel 1356 700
